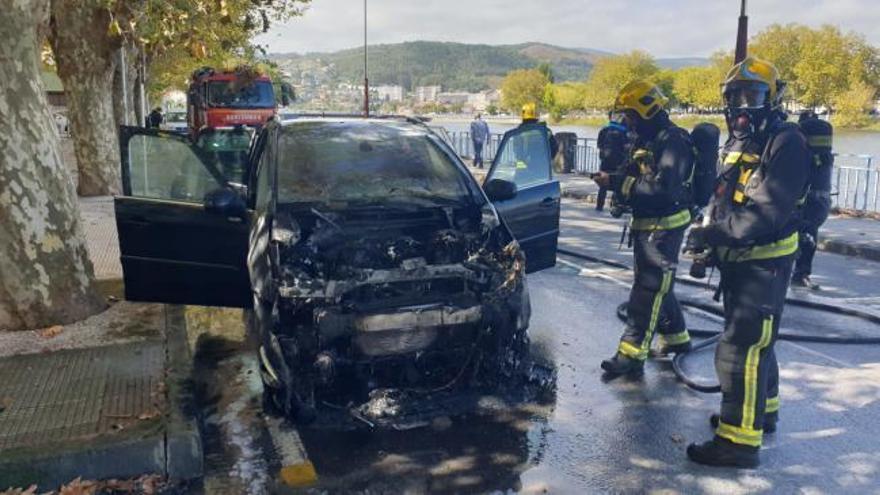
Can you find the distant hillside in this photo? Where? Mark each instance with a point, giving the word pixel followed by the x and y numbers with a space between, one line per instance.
pixel 678 63
pixel 455 66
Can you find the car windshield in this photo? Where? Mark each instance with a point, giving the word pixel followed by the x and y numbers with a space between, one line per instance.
pixel 228 148
pixel 364 162
pixel 175 117
pixel 229 94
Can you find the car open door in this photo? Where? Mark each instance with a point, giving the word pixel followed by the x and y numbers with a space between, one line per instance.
pixel 183 233
pixel 524 159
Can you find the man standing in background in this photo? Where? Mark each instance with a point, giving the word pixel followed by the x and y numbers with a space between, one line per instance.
pixel 155 118
pixel 479 136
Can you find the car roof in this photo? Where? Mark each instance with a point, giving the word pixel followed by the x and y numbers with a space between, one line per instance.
pixel 351 119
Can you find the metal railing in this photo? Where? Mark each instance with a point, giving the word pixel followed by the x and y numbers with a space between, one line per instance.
pixel 462 144
pixel 855 181
pixel 586 154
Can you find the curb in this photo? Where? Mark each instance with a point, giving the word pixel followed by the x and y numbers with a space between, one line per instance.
pixel 125 459
pixel 848 249
pixel 183 443
pixel 862 251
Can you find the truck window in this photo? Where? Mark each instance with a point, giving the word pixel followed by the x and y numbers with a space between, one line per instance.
pixel 230 94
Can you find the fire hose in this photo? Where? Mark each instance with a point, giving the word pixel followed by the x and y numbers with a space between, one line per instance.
pixel 713 336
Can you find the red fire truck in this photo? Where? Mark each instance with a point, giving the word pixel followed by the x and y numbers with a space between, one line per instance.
pixel 240 97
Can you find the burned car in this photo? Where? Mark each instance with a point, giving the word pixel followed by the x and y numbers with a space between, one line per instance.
pixel 380 274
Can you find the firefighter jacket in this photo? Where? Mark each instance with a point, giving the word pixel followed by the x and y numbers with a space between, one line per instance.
pixel 655 183
pixel 755 213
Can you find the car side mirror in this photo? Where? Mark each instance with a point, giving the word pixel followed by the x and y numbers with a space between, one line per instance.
pixel 225 201
pixel 500 190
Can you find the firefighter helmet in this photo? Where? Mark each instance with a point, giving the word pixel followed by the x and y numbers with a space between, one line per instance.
pixel 642 97
pixel 752 84
pixel 529 112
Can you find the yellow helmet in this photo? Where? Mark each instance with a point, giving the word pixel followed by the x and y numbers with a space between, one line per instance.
pixel 752 83
pixel 642 97
pixel 530 111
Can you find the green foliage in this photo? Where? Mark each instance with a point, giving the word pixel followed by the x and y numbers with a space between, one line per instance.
pixel 822 72
pixel 699 87
pixel 819 64
pixel 611 74
pixel 521 87
pixel 181 36
pixel 780 45
pixel 853 106
pixel 547 70
pixel 564 98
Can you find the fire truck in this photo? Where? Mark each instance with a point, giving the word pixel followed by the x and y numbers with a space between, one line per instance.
pixel 217 99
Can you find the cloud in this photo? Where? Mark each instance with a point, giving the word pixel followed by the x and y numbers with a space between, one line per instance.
pixel 663 27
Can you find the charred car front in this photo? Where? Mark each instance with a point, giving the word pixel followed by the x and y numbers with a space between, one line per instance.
pixel 380 274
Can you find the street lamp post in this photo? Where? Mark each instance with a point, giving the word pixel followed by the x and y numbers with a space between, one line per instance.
pixel 366 79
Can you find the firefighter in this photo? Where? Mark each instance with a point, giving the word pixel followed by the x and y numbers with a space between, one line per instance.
pixel 529 113
pixel 753 235
pixel 661 160
pixel 612 154
pixel 817 204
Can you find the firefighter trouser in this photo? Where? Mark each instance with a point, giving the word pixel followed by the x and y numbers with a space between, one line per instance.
pixel 652 299
pixel 815 212
pixel 754 296
pixel 807 251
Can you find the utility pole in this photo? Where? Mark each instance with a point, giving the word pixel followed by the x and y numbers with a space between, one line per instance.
pixel 742 35
pixel 142 76
pixel 366 79
pixel 124 73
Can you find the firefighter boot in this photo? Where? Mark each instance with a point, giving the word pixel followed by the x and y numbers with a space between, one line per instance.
pixel 770 420
pixel 721 452
pixel 668 349
pixel 622 365
pixel 804 282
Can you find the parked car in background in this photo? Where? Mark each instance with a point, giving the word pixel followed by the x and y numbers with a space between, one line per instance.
pixel 174 122
pixel 386 287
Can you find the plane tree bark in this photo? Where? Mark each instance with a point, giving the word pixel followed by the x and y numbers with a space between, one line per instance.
pixel 46 277
pixel 86 53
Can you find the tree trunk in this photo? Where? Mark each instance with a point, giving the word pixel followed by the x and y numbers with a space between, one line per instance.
pixel 85 53
pixel 46 277
pixel 140 117
pixel 124 98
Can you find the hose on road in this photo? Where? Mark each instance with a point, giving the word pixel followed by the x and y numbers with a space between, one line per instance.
pixel 713 336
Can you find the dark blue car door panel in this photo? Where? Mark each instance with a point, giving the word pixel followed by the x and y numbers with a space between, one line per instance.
pixel 524 157
pixel 172 249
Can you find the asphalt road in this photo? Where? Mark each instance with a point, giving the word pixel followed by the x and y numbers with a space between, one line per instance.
pixel 598 234
pixel 598 437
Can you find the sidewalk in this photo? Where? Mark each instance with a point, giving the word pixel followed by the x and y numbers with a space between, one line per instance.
pixel 107 411
pixel 106 397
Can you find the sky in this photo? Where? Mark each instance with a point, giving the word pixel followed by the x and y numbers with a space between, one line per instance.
pixel 665 28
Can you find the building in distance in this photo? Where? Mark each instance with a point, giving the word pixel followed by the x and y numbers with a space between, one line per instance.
pixel 426 94
pixel 389 93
